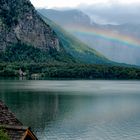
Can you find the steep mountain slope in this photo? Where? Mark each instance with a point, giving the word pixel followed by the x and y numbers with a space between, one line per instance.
pixel 24 36
pixel 119 43
pixel 76 48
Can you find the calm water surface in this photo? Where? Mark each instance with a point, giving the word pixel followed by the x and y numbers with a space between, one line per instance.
pixel 76 110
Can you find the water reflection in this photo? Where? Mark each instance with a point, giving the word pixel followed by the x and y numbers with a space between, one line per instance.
pixel 75 114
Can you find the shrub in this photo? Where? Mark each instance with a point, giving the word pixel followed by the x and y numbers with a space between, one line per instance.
pixel 3 135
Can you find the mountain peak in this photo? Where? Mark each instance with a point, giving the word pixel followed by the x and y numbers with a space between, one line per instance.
pixel 76 17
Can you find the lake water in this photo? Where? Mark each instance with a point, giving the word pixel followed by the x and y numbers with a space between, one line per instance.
pixel 76 110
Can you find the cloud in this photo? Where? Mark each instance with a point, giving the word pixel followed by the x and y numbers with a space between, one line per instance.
pixel 61 3
pixel 101 11
pixel 74 3
pixel 113 12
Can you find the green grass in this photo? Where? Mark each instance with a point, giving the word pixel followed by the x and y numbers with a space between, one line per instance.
pixel 3 135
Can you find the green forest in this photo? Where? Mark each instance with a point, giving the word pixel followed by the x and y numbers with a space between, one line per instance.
pixel 63 70
pixel 58 65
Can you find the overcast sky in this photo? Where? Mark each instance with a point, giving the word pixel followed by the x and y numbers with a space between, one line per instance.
pixel 100 11
pixel 75 3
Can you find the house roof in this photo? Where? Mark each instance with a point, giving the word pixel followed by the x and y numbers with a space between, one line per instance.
pixel 12 125
pixel 7 117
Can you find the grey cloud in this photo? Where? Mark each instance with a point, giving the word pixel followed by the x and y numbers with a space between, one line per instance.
pixel 113 13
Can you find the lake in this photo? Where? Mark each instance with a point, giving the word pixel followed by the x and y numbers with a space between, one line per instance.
pixel 76 109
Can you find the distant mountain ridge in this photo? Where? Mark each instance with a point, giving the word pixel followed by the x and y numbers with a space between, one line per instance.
pixel 119 51
pixel 72 16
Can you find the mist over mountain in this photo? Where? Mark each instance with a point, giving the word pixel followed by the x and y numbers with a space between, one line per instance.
pixel 113 12
pixel 25 37
pixel 35 45
pixel 79 50
pixel 74 16
pixel 121 49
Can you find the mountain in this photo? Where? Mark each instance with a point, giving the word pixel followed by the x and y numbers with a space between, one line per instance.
pixel 105 13
pixel 79 50
pixel 119 43
pixel 75 17
pixel 44 49
pixel 25 37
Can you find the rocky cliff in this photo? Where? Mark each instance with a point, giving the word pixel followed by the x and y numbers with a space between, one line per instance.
pixel 25 37
pixel 20 23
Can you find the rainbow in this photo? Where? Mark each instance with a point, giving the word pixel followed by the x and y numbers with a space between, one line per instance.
pixel 105 34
